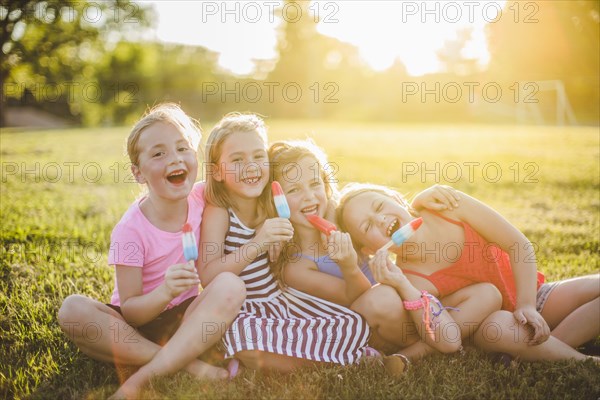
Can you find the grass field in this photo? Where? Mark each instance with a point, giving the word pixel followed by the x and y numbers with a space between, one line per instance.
pixel 62 192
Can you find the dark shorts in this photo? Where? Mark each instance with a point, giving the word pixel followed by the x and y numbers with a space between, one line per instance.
pixel 160 329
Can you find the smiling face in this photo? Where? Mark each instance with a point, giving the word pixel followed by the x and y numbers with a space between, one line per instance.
pixel 304 189
pixel 167 163
pixel 372 217
pixel 243 166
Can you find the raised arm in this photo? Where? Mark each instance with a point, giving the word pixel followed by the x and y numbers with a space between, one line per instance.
pixel 212 260
pixel 436 197
pixel 496 229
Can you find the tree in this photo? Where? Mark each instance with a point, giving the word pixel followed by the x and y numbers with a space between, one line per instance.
pixel 546 40
pixel 56 43
pixel 550 40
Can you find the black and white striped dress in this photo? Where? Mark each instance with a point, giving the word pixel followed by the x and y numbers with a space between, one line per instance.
pixel 289 322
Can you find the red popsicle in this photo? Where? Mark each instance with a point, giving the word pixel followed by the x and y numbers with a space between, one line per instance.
pixel 321 224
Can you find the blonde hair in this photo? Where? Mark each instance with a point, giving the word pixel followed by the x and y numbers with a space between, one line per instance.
pixel 351 190
pixel 282 155
pixel 214 191
pixel 169 113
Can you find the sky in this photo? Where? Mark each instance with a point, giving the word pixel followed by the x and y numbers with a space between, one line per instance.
pixel 383 31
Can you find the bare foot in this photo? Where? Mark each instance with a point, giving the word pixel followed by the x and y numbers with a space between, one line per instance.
pixel 125 392
pixel 202 370
pixel 396 365
pixel 131 388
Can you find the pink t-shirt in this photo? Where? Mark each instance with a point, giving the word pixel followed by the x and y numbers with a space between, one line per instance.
pixel 135 242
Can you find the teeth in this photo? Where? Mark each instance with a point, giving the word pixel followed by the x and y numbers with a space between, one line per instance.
pixel 251 180
pixel 309 210
pixel 392 226
pixel 178 172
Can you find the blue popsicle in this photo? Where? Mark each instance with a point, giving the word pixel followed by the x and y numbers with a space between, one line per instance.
pixel 190 248
pixel 403 233
pixel 283 209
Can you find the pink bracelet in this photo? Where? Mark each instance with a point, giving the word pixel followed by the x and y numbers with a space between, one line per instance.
pixel 428 302
pixel 413 305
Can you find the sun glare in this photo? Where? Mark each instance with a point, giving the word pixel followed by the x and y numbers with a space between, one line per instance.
pixel 413 32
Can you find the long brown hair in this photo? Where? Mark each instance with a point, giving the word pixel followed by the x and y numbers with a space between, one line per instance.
pixel 283 155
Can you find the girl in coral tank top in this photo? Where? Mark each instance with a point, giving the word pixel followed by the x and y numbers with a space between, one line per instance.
pixel 472 243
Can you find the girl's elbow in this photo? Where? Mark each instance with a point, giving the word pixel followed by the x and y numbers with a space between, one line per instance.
pixel 131 317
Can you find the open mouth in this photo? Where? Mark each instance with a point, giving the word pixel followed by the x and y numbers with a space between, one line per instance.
pixel 393 227
pixel 177 176
pixel 251 180
pixel 310 210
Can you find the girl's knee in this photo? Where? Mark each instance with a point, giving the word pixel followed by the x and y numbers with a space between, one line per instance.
pixel 385 303
pixel 498 330
pixel 593 285
pixel 487 295
pixel 230 287
pixel 73 309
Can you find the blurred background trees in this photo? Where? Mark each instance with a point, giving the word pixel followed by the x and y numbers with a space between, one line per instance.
pixel 57 56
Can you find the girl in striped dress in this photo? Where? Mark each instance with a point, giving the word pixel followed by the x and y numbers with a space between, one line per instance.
pixel 275 329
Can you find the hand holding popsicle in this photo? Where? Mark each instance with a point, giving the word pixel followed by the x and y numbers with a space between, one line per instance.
pixel 403 233
pixel 339 245
pixel 283 209
pixel 182 277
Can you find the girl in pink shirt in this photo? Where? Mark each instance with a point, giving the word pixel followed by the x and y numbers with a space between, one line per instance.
pixel 155 301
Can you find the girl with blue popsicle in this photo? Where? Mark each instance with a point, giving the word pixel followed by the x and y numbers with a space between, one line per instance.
pixel 156 316
pixel 275 329
pixel 329 267
pixel 551 319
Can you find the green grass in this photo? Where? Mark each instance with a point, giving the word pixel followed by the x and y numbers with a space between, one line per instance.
pixel 56 232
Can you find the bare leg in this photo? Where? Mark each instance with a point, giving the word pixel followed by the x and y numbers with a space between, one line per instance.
pixel 475 303
pixel 500 332
pixel 262 360
pixel 382 308
pixel 210 315
pixel 573 310
pixel 102 333
pixel 389 322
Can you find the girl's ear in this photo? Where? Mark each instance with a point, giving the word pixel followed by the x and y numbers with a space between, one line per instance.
pixel 213 171
pixel 135 170
pixel 217 174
